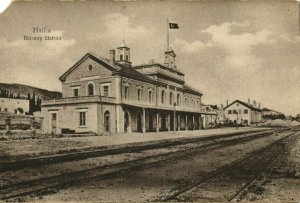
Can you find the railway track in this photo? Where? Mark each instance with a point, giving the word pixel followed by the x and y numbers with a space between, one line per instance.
pixel 60 158
pixel 37 186
pixel 233 179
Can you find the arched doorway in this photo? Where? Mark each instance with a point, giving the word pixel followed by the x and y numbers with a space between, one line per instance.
pixel 107 121
pixel 126 122
pixel 139 122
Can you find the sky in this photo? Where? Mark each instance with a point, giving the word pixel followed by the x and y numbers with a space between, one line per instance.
pixel 227 50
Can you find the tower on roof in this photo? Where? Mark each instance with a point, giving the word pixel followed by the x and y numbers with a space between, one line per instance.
pixel 123 54
pixel 170 59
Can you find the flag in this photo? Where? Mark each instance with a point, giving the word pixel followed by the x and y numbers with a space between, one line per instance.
pixel 173 26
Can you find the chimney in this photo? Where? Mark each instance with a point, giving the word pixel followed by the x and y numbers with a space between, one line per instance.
pixel 227 102
pixel 254 103
pixel 112 54
pixel 259 105
pixel 249 101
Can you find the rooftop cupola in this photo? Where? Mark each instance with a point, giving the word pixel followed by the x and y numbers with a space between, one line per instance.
pixel 123 54
pixel 170 59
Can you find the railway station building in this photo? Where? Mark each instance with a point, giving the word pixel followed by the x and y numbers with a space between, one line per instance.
pixel 239 112
pixel 110 95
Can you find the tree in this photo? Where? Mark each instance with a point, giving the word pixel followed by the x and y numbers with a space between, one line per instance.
pixel 32 104
pixel 38 104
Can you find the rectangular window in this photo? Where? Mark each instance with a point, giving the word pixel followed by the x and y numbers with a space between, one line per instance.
pixel 246 111
pixel 105 90
pixel 240 111
pixel 234 112
pixel 229 111
pixel 15 111
pixel 139 94
pixel 54 116
pixel 82 118
pixel 150 96
pixel 5 109
pixel 75 92
pixel 126 92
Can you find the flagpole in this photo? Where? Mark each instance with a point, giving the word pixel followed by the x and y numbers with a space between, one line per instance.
pixel 299 18
pixel 168 34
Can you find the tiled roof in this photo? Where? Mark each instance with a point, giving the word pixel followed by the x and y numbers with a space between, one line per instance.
pixel 126 70
pixel 191 89
pixel 245 104
pixel 161 65
pixel 117 68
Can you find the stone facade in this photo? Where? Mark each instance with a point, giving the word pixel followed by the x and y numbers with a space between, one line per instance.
pixel 242 113
pixel 101 95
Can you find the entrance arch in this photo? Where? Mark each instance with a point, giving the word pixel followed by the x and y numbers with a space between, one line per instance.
pixel 107 121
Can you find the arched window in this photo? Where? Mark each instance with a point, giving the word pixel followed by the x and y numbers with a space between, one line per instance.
pixel 106 121
pixel 140 94
pixel 150 96
pixel 127 58
pixel 178 99
pixel 90 89
pixel 171 98
pixel 121 57
pixel 163 95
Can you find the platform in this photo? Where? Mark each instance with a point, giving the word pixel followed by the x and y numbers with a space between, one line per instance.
pixel 19 149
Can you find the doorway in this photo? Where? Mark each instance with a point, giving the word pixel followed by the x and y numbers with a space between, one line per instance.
pixel 126 122
pixel 107 121
pixel 53 123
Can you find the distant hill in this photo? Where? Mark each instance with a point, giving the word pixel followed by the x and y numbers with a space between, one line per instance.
pixel 23 90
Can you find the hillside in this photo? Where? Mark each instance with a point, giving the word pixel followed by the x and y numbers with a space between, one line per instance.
pixel 23 90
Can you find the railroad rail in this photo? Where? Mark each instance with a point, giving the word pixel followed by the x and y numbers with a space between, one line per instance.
pixel 37 186
pixel 263 159
pixel 110 150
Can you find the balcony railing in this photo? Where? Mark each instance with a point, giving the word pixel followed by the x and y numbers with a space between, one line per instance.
pixel 69 100
pixel 98 99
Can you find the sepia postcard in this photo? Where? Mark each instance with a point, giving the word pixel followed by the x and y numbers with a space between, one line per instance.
pixel 150 101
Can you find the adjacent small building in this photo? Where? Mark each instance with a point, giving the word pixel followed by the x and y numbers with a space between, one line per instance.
pixel 110 95
pixel 271 114
pixel 209 116
pixel 16 106
pixel 239 112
